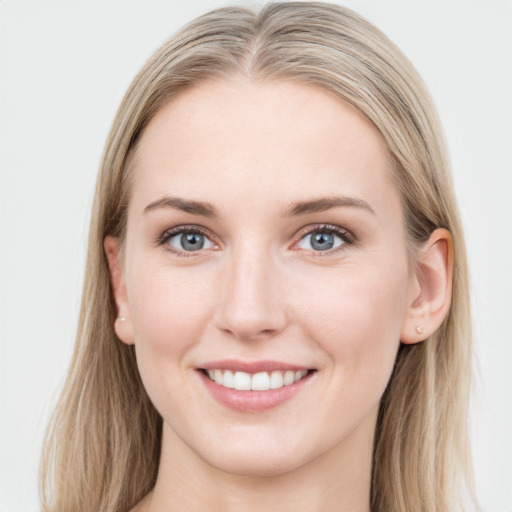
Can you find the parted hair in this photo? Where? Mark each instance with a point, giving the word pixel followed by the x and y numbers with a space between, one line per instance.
pixel 102 447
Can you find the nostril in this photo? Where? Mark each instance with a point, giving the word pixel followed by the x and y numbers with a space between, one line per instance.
pixel 250 325
pixel 244 334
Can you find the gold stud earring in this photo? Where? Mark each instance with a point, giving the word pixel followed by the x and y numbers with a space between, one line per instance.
pixel 419 329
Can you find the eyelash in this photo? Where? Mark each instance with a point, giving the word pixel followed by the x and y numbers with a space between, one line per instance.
pixel 346 236
pixel 170 233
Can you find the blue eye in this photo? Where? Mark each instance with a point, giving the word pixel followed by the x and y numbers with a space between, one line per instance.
pixel 189 241
pixel 321 240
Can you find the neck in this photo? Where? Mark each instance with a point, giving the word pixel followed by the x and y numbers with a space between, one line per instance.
pixel 338 480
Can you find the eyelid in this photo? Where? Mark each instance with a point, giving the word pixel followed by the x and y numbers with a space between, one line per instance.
pixel 163 238
pixel 347 237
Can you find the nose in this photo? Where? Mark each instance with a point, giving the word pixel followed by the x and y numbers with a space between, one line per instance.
pixel 252 304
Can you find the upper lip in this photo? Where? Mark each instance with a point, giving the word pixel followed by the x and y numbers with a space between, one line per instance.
pixel 251 366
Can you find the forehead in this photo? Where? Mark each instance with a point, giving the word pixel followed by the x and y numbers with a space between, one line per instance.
pixel 240 138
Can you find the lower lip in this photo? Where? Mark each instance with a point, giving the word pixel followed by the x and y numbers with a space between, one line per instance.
pixel 253 401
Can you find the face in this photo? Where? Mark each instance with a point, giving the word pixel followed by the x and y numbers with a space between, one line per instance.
pixel 264 278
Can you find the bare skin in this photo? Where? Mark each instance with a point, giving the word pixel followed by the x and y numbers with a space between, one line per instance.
pixel 300 257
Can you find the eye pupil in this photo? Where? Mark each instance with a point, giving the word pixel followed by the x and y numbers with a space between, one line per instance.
pixel 192 241
pixel 322 241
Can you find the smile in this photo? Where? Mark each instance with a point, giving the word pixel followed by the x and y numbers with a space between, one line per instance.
pixel 261 381
pixel 254 386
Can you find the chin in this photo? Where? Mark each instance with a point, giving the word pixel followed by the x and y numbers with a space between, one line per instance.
pixel 262 454
pixel 261 465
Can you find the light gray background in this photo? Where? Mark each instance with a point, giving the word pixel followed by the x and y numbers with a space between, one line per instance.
pixel 64 67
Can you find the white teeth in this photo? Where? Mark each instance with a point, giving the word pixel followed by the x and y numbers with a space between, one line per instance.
pixel 300 374
pixel 289 378
pixel 276 380
pixel 261 381
pixel 242 381
pixel 228 380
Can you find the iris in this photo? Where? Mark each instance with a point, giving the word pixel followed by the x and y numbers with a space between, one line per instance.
pixel 322 241
pixel 192 241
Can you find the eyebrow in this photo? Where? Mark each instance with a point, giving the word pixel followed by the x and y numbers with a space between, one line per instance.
pixel 326 203
pixel 300 208
pixel 185 205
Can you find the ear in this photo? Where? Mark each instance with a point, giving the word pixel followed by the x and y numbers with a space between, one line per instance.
pixel 123 324
pixel 431 290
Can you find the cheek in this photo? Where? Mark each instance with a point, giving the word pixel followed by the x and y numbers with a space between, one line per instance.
pixel 355 314
pixel 169 307
pixel 170 310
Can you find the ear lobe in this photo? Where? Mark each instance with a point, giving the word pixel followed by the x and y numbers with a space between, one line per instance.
pixel 123 324
pixel 432 294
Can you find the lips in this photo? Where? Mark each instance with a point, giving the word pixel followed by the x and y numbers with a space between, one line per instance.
pixel 254 386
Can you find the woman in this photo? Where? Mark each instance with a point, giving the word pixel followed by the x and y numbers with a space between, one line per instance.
pixel 276 311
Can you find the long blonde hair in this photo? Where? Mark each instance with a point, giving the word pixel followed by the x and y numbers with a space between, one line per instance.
pixel 103 444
